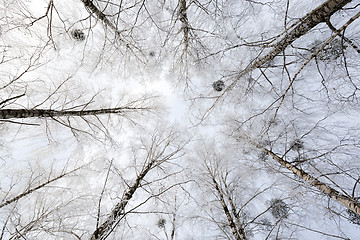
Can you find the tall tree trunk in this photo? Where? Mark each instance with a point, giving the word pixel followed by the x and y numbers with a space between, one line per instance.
pixel 309 21
pixel 318 15
pixel 184 21
pixel 236 216
pixel 304 25
pixel 43 113
pixel 31 190
pixel 117 213
pixel 99 14
pixel 348 202
pixel 238 234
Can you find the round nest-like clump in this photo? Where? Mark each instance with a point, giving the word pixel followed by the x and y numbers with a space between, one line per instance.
pixel 161 223
pixel 279 209
pixel 353 217
pixel 218 85
pixel 330 52
pixel 78 35
pixel 297 145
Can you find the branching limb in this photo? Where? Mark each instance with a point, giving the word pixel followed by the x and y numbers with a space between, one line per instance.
pixel 48 113
pixel 7 202
pixel 318 15
pixel 346 201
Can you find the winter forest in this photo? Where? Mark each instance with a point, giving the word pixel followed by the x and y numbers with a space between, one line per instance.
pixel 179 119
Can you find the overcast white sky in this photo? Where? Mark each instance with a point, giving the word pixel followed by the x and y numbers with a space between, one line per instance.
pixel 317 109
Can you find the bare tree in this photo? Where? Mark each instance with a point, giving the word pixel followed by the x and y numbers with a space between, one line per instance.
pixel 349 202
pixel 159 152
pixel 28 203
pixel 290 86
pixel 229 197
pixel 288 97
pixel 279 43
pixel 32 189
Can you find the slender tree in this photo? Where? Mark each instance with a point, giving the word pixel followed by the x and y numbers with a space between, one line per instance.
pixel 351 203
pixel 291 86
pixel 159 152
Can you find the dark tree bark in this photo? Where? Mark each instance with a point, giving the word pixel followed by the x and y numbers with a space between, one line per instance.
pixel 46 113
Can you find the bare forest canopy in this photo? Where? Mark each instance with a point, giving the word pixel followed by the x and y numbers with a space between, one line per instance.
pixel 179 119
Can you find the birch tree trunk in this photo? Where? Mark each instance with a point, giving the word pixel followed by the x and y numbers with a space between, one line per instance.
pixel 237 231
pixel 346 201
pixel 156 155
pixel 305 24
pixel 31 190
pixel 99 14
pixel 118 212
pixel 43 113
